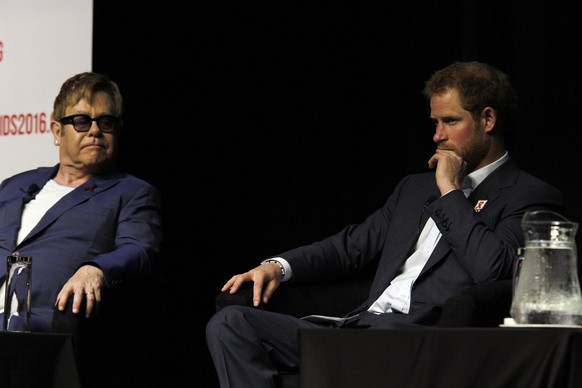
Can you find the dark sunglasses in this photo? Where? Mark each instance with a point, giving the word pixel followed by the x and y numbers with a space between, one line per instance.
pixel 82 123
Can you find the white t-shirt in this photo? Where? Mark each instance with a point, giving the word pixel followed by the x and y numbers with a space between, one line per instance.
pixel 35 209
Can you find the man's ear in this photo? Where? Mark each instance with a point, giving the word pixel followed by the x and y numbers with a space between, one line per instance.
pixel 55 127
pixel 488 118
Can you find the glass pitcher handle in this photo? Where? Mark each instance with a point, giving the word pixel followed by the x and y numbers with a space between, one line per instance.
pixel 517 268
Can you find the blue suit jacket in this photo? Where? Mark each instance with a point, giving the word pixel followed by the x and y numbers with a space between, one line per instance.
pixel 112 221
pixel 475 247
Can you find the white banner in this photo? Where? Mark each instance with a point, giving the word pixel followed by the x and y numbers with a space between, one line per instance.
pixel 42 43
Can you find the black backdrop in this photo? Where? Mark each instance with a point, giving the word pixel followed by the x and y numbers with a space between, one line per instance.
pixel 269 125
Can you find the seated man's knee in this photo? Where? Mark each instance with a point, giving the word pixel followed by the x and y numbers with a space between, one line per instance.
pixel 229 317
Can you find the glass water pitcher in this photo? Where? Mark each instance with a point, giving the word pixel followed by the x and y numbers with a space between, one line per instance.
pixel 547 290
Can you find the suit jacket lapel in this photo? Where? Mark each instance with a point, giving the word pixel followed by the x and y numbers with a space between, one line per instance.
pixel 80 194
pixel 401 247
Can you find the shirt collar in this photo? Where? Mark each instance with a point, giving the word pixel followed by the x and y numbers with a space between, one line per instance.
pixel 477 176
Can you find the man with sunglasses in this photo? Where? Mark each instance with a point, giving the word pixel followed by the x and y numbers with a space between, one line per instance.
pixel 86 224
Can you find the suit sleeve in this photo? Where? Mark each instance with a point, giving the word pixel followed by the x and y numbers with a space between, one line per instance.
pixel 485 246
pixel 350 250
pixel 137 238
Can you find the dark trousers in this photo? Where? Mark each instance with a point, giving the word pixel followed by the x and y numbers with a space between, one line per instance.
pixel 250 346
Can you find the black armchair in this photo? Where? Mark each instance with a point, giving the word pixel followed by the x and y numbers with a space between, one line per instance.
pixel 478 306
pixel 122 346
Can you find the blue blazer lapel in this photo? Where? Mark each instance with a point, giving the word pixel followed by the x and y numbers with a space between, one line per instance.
pixel 81 194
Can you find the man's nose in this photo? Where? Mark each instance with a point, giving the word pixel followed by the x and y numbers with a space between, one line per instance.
pixel 94 129
pixel 439 133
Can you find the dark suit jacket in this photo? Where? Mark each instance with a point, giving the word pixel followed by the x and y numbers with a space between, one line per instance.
pixel 112 221
pixel 475 247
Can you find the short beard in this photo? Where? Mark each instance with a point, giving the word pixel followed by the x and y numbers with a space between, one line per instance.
pixel 475 150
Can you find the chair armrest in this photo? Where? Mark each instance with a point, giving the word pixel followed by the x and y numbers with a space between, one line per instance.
pixel 335 298
pixel 121 307
pixel 125 336
pixel 483 305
